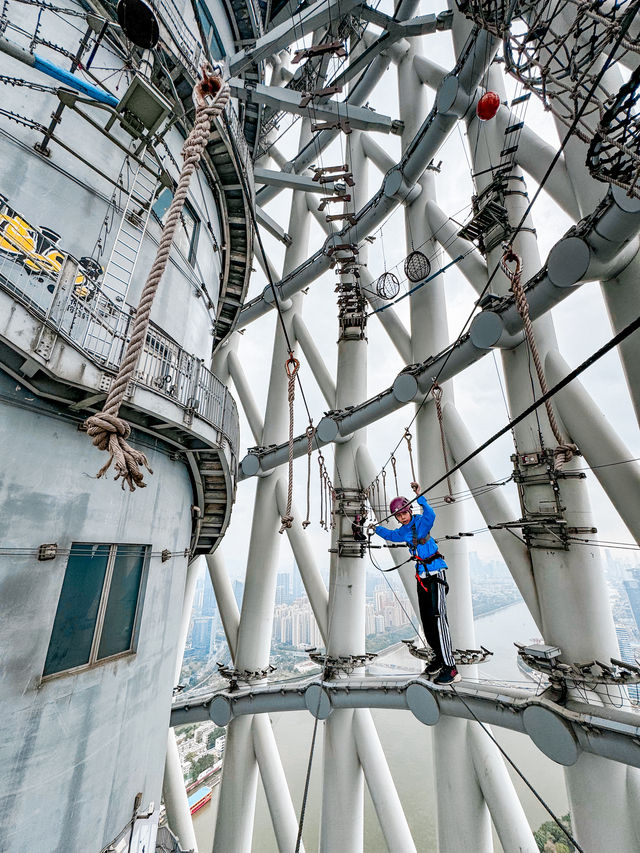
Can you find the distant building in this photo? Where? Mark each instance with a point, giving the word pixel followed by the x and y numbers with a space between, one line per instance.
pixel 626 654
pixel 632 589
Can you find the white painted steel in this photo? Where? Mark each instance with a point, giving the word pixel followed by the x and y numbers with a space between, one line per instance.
pixel 611 461
pixel 380 784
pixel 175 797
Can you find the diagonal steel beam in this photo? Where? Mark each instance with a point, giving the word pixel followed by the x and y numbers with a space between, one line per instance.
pixel 291 101
pixel 298 25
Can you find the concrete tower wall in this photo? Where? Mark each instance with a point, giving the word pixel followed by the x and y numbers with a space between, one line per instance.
pixel 78 747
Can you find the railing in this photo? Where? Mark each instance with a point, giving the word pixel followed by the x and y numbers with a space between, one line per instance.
pixel 69 302
pixel 187 42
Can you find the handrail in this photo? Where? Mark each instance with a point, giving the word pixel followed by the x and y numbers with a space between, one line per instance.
pixel 80 311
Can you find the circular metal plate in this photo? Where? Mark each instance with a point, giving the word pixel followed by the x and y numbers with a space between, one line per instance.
pixel 317 701
pixel 486 329
pixel 568 262
pixel 250 464
pixel 423 704
pixel 551 734
pixel 220 710
pixel 327 430
pixel 405 387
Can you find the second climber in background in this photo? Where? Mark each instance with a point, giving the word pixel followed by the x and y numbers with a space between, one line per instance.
pixel 415 530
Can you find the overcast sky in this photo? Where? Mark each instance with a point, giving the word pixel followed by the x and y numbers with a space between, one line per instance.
pixel 581 323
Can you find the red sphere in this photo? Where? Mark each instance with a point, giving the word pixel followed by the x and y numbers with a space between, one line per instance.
pixel 488 106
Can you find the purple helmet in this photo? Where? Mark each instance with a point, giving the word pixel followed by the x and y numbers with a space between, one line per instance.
pixel 399 504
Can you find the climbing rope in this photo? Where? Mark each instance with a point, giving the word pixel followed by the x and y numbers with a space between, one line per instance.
pixel 436 390
pixel 309 432
pixel 565 450
pixel 108 431
pixel 291 366
pixel 384 489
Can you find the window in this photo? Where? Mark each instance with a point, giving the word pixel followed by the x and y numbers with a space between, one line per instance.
pixel 186 236
pixel 99 606
pixel 210 34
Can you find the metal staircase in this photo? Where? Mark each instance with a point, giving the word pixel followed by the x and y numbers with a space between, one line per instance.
pixel 133 226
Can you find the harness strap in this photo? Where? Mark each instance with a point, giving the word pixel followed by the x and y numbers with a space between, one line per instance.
pixel 430 579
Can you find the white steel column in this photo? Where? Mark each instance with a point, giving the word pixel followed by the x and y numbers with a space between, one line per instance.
pixel 458 828
pixel 380 784
pixel 175 799
pixel 570 583
pixel 507 813
pixel 311 577
pixel 234 823
pixel 342 824
pixel 600 445
pixel 494 508
pixel 173 788
pixel 274 782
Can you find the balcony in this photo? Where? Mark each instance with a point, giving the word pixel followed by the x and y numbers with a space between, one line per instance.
pixel 65 338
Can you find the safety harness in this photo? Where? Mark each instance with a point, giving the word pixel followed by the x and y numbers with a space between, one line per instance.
pixel 426 561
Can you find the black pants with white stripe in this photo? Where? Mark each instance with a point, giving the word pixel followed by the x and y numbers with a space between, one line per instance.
pixel 433 612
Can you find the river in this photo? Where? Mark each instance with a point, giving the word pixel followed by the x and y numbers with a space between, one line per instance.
pixel 407 744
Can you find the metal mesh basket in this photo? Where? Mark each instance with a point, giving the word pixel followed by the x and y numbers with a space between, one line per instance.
pixel 387 286
pixel 417 266
pixel 614 152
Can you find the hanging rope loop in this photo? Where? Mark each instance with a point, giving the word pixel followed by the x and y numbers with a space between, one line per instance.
pixel 108 431
pixel 309 432
pixel 436 391
pixel 407 438
pixel 320 470
pixel 565 449
pixel 395 473
pixel 291 366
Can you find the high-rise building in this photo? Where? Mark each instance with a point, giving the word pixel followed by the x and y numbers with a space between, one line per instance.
pixel 632 588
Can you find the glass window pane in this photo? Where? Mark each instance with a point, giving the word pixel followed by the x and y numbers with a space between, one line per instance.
pixel 77 611
pixel 119 619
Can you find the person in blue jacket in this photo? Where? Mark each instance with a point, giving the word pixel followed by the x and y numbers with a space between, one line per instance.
pixel 415 530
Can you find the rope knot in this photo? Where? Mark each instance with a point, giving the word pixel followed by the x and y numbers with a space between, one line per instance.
pixel 287 522
pixel 109 432
pixel 562 454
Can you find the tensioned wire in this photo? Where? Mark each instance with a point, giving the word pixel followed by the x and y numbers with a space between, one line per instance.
pixel 592 359
pixel 606 65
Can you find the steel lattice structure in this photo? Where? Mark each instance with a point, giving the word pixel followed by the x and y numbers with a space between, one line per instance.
pixel 316 64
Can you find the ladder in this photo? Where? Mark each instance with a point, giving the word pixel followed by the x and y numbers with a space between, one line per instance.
pixel 133 226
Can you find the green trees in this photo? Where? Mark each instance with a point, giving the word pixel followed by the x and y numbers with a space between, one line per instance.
pixel 551 839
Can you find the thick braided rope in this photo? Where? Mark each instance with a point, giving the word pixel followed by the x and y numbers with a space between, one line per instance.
pixel 436 390
pixel 291 366
pixel 565 450
pixel 108 431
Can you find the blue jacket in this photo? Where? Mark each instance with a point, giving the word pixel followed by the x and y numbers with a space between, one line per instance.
pixel 420 526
